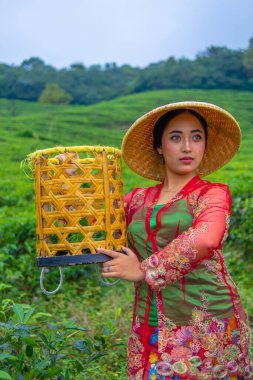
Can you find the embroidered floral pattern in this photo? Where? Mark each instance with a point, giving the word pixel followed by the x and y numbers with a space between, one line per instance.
pixel 135 351
pixel 214 266
pixel 173 261
pixel 177 197
pixel 137 199
pixel 227 227
pixel 204 346
pixel 197 203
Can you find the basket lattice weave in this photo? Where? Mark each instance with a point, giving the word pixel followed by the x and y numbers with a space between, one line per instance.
pixel 79 202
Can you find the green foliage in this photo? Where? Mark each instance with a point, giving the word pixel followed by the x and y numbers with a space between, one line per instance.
pixel 215 68
pixel 248 60
pixel 83 302
pixel 31 348
pixel 54 94
pixel 241 226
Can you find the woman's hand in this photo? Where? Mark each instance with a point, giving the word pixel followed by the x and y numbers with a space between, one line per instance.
pixel 122 266
pixel 62 157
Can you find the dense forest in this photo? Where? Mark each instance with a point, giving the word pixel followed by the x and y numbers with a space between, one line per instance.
pixel 215 68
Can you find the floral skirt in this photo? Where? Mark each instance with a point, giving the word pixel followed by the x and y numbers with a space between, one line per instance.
pixel 156 369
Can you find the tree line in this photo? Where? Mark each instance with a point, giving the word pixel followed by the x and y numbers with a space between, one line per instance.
pixel 215 68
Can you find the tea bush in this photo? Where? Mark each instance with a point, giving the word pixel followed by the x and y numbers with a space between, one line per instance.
pixel 241 226
pixel 31 348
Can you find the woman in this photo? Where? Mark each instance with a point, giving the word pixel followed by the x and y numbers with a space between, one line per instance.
pixel 188 319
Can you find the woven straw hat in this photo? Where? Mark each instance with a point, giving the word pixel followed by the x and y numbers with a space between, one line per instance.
pixel 224 138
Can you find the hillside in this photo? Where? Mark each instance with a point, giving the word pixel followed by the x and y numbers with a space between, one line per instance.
pixel 105 313
pixel 26 126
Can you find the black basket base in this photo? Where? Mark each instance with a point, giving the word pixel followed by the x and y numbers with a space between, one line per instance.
pixel 88 258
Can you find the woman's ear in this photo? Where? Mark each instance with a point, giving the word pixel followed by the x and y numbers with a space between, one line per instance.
pixel 159 150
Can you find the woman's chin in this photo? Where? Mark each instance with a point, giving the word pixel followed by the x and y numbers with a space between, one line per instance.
pixel 183 171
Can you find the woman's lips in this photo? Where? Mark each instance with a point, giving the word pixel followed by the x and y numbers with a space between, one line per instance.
pixel 186 160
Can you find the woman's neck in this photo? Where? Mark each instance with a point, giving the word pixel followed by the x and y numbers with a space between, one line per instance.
pixel 174 181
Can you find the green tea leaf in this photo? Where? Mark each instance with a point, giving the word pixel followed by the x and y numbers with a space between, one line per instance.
pixel 28 315
pixel 51 372
pixel 5 375
pixel 30 341
pixel 7 356
pixel 44 338
pixel 19 311
pixel 41 365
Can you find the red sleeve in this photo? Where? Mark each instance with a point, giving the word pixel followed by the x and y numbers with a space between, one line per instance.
pixel 183 254
pixel 128 200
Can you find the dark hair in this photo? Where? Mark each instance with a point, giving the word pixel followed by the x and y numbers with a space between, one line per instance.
pixel 167 117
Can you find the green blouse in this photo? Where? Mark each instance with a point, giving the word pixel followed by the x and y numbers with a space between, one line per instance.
pixel 153 320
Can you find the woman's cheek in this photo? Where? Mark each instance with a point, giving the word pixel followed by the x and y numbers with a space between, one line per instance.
pixel 200 152
pixel 170 149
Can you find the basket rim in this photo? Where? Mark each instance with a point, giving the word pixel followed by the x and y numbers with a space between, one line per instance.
pixel 78 148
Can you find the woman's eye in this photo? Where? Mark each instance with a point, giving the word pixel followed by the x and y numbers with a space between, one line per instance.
pixel 175 137
pixel 197 137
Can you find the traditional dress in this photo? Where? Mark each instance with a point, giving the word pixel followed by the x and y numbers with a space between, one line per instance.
pixel 188 319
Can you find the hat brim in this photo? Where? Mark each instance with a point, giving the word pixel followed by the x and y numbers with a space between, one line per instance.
pixel 224 139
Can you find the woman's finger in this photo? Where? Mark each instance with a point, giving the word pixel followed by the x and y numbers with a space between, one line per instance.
pixel 108 252
pixel 61 157
pixel 109 264
pixel 128 251
pixel 110 274
pixel 109 270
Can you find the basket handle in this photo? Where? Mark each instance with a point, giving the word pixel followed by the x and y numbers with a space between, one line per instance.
pixel 101 279
pixel 42 284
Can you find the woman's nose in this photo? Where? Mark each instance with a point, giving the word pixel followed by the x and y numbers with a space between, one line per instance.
pixel 186 146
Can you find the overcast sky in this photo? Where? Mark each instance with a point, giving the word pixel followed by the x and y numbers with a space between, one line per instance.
pixel 138 32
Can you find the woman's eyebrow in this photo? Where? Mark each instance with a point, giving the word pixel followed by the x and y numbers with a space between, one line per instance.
pixel 194 130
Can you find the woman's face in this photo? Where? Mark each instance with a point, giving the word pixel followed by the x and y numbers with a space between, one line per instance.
pixel 183 137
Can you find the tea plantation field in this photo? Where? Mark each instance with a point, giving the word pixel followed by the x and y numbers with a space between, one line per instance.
pixel 81 332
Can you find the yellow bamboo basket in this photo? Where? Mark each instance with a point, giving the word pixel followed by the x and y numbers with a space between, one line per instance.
pixel 79 204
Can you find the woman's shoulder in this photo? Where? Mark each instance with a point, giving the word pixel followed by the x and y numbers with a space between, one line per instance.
pixel 135 191
pixel 141 190
pixel 137 195
pixel 205 190
pixel 206 185
pixel 209 194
